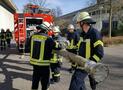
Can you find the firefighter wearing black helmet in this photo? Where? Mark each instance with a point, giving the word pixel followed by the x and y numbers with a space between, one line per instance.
pixel 3 40
pixel 8 37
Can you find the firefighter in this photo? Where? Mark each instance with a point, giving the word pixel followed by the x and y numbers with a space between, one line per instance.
pixel 73 38
pixel 3 40
pixel 41 53
pixel 90 47
pixel 8 37
pixel 56 61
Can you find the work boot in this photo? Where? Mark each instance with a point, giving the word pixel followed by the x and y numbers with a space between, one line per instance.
pixel 71 70
pixel 52 81
pixel 56 79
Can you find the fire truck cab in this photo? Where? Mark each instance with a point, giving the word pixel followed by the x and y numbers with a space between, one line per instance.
pixel 25 25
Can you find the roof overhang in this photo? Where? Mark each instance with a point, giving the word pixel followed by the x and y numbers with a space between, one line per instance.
pixel 11 4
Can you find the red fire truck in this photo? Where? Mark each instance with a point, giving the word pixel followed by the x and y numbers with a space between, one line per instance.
pixel 25 23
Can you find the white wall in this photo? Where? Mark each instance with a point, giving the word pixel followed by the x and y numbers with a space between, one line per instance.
pixel 6 19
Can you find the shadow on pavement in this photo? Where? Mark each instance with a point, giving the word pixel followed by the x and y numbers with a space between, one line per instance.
pixel 11 75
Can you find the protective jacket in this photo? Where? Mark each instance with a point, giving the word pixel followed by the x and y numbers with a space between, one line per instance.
pixel 8 35
pixel 90 45
pixel 56 58
pixel 3 36
pixel 73 39
pixel 41 49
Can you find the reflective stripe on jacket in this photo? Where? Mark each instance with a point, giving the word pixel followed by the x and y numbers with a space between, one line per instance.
pixel 56 58
pixel 73 39
pixel 8 35
pixel 90 45
pixel 41 50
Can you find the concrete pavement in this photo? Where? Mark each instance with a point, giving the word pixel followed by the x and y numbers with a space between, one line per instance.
pixel 16 72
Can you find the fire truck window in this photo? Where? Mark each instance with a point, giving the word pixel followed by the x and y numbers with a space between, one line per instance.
pixel 33 22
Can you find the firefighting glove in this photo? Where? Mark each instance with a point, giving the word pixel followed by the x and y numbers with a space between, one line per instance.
pixel 89 66
pixel 64 44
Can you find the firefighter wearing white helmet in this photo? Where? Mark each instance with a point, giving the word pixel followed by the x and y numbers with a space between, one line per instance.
pixel 45 26
pixel 56 61
pixel 70 26
pixel 56 30
pixel 90 46
pixel 85 17
pixel 73 38
pixel 40 56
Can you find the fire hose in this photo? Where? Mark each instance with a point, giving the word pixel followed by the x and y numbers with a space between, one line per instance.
pixel 98 70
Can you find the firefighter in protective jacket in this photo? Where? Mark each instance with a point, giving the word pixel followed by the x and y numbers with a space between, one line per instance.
pixel 90 46
pixel 73 38
pixel 3 40
pixel 8 37
pixel 56 61
pixel 40 56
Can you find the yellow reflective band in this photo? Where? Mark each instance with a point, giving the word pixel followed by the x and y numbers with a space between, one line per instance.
pixel 71 45
pixel 57 44
pixel 74 65
pixel 54 59
pixel 39 61
pixel 60 59
pixel 81 68
pixel 56 75
pixel 42 50
pixel 96 57
pixel 78 44
pixel 39 37
pixel 31 49
pixel 88 50
pixel 99 42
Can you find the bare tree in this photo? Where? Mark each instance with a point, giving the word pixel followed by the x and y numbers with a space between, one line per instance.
pixel 59 11
pixel 91 2
pixel 56 12
pixel 114 6
pixel 38 2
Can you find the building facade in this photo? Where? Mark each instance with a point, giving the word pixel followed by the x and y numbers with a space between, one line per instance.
pixel 100 14
pixel 7 9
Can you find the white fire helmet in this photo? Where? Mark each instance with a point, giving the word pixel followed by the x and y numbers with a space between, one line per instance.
pixel 70 26
pixel 56 29
pixel 85 17
pixel 44 26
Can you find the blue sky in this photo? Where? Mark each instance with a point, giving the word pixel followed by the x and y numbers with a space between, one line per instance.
pixel 67 6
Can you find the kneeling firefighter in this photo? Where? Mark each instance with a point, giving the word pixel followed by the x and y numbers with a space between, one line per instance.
pixel 56 61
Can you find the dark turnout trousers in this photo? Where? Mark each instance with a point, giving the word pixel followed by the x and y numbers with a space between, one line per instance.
pixel 3 44
pixel 55 69
pixel 78 83
pixel 41 73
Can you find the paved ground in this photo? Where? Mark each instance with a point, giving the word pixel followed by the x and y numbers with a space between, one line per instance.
pixel 16 73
